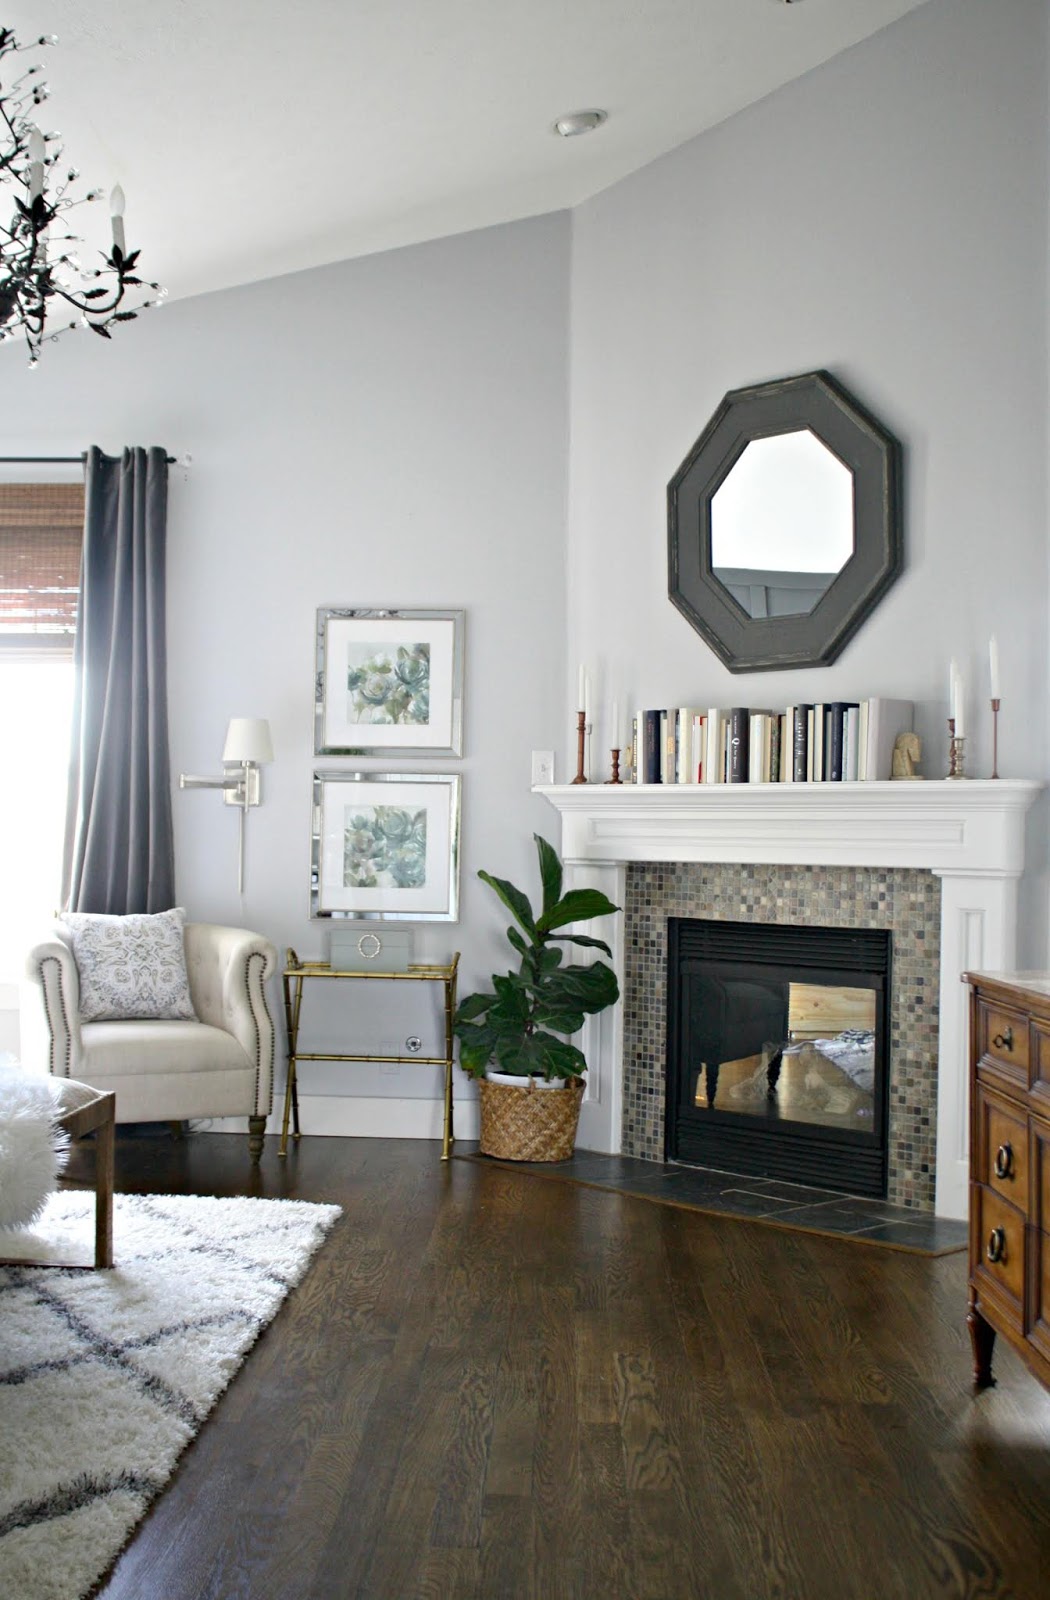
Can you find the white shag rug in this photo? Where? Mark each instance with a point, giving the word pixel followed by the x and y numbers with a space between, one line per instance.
pixel 106 1376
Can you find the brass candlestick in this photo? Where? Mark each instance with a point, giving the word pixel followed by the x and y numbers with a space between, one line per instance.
pixel 995 736
pixel 615 768
pixel 956 752
pixel 581 740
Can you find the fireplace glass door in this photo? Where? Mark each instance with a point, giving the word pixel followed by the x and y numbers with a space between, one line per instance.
pixel 777 1051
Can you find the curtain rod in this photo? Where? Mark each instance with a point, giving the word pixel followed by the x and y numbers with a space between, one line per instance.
pixel 15 461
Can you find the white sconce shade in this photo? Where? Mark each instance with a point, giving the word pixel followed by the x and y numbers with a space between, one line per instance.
pixel 248 739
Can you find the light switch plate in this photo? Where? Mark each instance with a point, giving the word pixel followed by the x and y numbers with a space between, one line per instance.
pixel 542 766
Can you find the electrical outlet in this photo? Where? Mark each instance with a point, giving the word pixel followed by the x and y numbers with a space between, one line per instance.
pixel 542 766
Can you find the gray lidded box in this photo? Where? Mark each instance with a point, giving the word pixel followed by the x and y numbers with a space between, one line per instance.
pixel 374 949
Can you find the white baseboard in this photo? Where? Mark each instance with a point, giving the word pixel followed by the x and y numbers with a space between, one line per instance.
pixel 346 1117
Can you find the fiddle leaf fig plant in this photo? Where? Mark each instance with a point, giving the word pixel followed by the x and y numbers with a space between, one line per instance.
pixel 517 1028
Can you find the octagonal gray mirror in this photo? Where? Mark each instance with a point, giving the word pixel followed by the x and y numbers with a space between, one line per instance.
pixel 784 525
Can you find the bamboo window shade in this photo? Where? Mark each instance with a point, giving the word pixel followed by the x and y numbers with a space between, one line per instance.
pixel 41 533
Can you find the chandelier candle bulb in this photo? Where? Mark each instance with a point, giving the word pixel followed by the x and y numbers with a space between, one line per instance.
pixel 116 214
pixel 37 152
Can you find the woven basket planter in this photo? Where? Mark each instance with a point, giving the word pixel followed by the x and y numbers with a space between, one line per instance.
pixel 529 1124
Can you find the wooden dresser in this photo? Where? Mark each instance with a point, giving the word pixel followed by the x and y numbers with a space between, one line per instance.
pixel 1010 1168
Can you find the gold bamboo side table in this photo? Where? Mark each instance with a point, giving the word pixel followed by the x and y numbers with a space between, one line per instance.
pixel 294 977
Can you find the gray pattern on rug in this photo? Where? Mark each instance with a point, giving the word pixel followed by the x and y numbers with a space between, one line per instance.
pixel 106 1376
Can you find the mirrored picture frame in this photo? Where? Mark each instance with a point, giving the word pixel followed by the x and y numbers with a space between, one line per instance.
pixel 385 846
pixel 388 682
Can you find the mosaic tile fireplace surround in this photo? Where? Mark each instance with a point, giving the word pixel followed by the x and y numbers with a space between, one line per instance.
pixel 905 901
pixel 938 862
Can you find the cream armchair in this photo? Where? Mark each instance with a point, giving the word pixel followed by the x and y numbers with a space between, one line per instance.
pixel 218 1066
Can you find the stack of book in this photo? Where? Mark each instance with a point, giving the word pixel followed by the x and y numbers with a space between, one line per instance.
pixel 840 741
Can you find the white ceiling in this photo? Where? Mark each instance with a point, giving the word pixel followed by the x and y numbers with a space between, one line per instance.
pixel 256 137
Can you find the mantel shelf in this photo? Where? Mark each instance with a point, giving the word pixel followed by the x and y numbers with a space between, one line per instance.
pixel 944 825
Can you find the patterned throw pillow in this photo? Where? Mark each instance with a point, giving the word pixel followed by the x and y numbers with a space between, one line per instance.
pixel 130 967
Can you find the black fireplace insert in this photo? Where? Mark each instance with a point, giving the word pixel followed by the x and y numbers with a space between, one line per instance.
pixel 777 1051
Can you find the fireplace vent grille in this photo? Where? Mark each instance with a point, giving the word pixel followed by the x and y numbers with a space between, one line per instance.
pixel 776 944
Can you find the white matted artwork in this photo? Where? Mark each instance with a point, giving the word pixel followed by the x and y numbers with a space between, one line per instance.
pixel 386 845
pixel 389 681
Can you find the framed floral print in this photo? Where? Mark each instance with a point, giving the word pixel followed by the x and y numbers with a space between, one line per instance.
pixel 386 845
pixel 389 682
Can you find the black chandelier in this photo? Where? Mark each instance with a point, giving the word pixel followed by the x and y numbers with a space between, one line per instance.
pixel 40 273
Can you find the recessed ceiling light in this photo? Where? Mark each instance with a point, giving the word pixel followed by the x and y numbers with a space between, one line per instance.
pixel 575 122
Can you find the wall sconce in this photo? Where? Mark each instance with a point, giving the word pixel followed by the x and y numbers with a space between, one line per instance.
pixel 248 745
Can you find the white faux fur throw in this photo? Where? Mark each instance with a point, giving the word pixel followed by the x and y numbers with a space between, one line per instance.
pixel 32 1150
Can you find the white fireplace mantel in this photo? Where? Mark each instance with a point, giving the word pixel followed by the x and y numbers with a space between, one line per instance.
pixel 969 832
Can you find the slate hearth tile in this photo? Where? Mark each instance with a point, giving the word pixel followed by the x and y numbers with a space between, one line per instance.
pixel 665 1188
pixel 936 1235
pixel 746 1203
pixel 846 1218
pixel 802 1193
pixel 615 1166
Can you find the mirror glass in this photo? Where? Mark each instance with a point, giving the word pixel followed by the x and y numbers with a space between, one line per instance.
pixel 782 524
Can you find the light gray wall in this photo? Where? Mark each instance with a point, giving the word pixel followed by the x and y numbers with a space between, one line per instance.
pixel 389 431
pixel 885 218
pixel 396 430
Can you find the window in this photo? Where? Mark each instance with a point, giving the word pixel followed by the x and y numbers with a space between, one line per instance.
pixel 41 528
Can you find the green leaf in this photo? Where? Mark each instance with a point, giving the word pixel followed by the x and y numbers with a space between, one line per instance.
pixel 518 942
pixel 516 903
pixel 550 873
pixel 582 939
pixel 513 1001
pixel 560 1059
pixel 473 1006
pixel 476 1046
pixel 579 905
pixel 562 1019
pixel 587 989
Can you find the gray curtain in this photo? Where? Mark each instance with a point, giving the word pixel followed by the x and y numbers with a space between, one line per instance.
pixel 119 853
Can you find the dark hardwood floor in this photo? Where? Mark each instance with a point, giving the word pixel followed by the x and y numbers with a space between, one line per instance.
pixel 490 1385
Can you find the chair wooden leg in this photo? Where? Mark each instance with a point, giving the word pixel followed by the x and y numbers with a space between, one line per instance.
pixel 256 1129
pixel 105 1141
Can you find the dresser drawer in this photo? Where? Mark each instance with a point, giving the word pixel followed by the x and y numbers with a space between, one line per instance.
pixel 1001 1156
pixel 1041 1057
pixel 1002 1037
pixel 1039 1157
pixel 1039 1278
pixel 997 1250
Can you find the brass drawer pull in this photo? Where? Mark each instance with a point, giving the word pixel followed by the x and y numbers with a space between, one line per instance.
pixel 997 1245
pixel 1004 1161
pixel 1004 1041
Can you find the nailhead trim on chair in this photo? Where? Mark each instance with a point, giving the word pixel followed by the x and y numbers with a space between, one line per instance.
pixel 258 956
pixel 53 961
